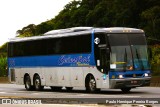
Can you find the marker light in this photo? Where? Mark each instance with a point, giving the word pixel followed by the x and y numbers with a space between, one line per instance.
pixel 113 76
pixel 120 76
pixel 146 75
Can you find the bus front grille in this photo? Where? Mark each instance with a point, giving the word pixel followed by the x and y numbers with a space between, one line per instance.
pixel 133 75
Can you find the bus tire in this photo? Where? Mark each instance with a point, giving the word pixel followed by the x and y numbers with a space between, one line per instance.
pixel 69 88
pixel 27 83
pixel 91 84
pixel 37 83
pixel 125 90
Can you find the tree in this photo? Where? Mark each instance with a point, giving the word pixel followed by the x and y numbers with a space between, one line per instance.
pixel 3 66
pixel 152 18
pixel 27 31
pixel 43 28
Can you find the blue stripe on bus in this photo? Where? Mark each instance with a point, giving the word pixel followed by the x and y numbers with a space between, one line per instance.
pixel 72 60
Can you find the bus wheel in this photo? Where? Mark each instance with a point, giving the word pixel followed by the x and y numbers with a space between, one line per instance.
pixel 27 82
pixel 125 90
pixel 91 84
pixel 69 88
pixel 37 83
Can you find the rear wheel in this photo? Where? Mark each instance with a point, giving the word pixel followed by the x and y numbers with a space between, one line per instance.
pixel 27 83
pixel 125 90
pixel 37 83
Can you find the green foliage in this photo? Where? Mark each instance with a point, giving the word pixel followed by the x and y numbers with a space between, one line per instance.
pixel 3 66
pixel 27 31
pixel 3 49
pixel 155 55
pixel 152 19
pixel 3 60
pixel 155 60
pixel 43 28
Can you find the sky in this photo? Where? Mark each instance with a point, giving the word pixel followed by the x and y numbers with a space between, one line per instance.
pixel 16 14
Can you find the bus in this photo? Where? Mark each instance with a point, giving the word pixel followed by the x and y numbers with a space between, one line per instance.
pixel 93 58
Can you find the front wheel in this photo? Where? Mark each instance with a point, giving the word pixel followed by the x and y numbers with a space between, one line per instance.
pixel 125 90
pixel 37 83
pixel 91 84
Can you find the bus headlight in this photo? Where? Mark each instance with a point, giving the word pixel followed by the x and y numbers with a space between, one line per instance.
pixel 120 76
pixel 146 75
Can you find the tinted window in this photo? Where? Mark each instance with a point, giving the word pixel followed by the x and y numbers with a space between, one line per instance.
pixel 127 39
pixel 118 40
pixel 51 46
pixel 137 39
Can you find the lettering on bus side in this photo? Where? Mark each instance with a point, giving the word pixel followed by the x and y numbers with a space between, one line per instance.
pixel 74 60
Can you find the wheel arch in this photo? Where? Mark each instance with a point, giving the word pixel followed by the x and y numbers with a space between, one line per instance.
pixel 87 78
pixel 36 74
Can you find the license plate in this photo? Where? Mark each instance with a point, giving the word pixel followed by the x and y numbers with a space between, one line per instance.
pixel 134 82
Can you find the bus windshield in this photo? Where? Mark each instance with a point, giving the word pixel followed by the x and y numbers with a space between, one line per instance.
pixel 128 52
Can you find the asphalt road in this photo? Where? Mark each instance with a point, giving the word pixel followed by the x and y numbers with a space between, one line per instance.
pixel 18 91
pixel 14 90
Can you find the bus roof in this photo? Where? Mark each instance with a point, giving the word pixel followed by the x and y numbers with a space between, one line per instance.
pixel 77 31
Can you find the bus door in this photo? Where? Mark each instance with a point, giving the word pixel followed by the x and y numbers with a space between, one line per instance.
pixel 104 60
pixel 104 65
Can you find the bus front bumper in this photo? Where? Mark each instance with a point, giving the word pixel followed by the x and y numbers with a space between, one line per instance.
pixel 130 82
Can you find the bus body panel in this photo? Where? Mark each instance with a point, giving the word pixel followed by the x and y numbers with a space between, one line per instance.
pixel 55 76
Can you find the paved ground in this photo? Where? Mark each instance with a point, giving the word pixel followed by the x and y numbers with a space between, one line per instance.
pixel 78 105
pixel 18 91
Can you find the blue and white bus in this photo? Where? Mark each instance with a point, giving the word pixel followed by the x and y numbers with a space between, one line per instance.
pixel 94 58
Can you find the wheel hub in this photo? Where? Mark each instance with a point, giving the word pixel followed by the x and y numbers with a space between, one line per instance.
pixel 37 83
pixel 92 84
